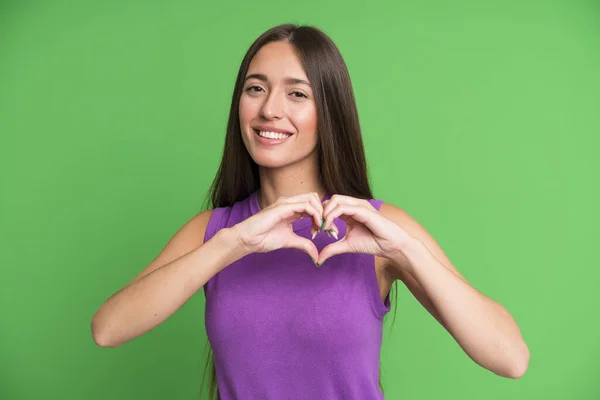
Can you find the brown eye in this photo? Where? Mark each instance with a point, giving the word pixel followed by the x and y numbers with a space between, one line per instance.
pixel 300 93
pixel 250 89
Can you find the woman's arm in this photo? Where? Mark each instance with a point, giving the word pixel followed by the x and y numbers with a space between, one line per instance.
pixel 483 328
pixel 160 290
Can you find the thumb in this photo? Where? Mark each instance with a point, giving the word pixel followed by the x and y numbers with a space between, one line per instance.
pixel 333 249
pixel 305 245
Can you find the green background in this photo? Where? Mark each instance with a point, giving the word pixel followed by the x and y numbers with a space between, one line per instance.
pixel 481 121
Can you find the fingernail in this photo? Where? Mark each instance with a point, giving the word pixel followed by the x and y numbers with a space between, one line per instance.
pixel 323 262
pixel 327 233
pixel 314 233
pixel 334 234
pixel 314 262
pixel 322 226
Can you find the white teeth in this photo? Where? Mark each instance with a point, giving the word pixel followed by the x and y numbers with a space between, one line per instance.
pixel 273 135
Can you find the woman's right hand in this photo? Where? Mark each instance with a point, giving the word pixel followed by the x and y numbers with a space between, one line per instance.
pixel 271 228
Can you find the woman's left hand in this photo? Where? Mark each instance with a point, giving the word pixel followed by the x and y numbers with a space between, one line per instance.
pixel 367 231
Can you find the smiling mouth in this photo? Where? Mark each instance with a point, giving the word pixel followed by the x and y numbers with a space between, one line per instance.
pixel 271 135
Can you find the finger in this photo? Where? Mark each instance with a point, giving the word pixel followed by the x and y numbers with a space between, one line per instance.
pixel 312 198
pixel 294 211
pixel 335 232
pixel 356 212
pixel 317 203
pixel 328 206
pixel 335 248
pixel 332 231
pixel 341 199
pixel 336 200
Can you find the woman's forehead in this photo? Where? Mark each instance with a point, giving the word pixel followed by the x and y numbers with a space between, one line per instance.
pixel 277 61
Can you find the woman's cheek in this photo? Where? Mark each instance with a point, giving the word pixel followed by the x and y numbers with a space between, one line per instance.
pixel 307 119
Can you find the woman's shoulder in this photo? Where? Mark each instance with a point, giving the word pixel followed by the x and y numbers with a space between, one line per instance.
pixel 227 216
pixel 196 227
pixel 395 213
pixel 187 238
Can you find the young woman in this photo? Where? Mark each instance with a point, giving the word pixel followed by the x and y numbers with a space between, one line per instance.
pixel 295 257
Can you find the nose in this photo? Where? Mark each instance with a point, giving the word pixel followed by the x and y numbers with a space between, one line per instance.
pixel 273 106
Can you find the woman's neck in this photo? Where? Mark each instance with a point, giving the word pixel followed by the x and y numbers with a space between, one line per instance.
pixel 288 181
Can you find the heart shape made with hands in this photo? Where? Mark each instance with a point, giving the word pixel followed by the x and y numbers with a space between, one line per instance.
pixel 367 231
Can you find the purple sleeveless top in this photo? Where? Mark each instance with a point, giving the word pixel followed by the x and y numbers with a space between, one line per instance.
pixel 280 328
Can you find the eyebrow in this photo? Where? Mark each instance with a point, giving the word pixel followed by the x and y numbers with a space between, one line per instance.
pixel 288 80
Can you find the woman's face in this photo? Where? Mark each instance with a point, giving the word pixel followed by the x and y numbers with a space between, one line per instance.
pixel 277 97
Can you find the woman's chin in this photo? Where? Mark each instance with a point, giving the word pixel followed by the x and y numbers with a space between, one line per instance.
pixel 279 159
pixel 271 162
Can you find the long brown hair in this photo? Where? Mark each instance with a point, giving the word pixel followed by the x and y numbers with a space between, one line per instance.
pixel 341 153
